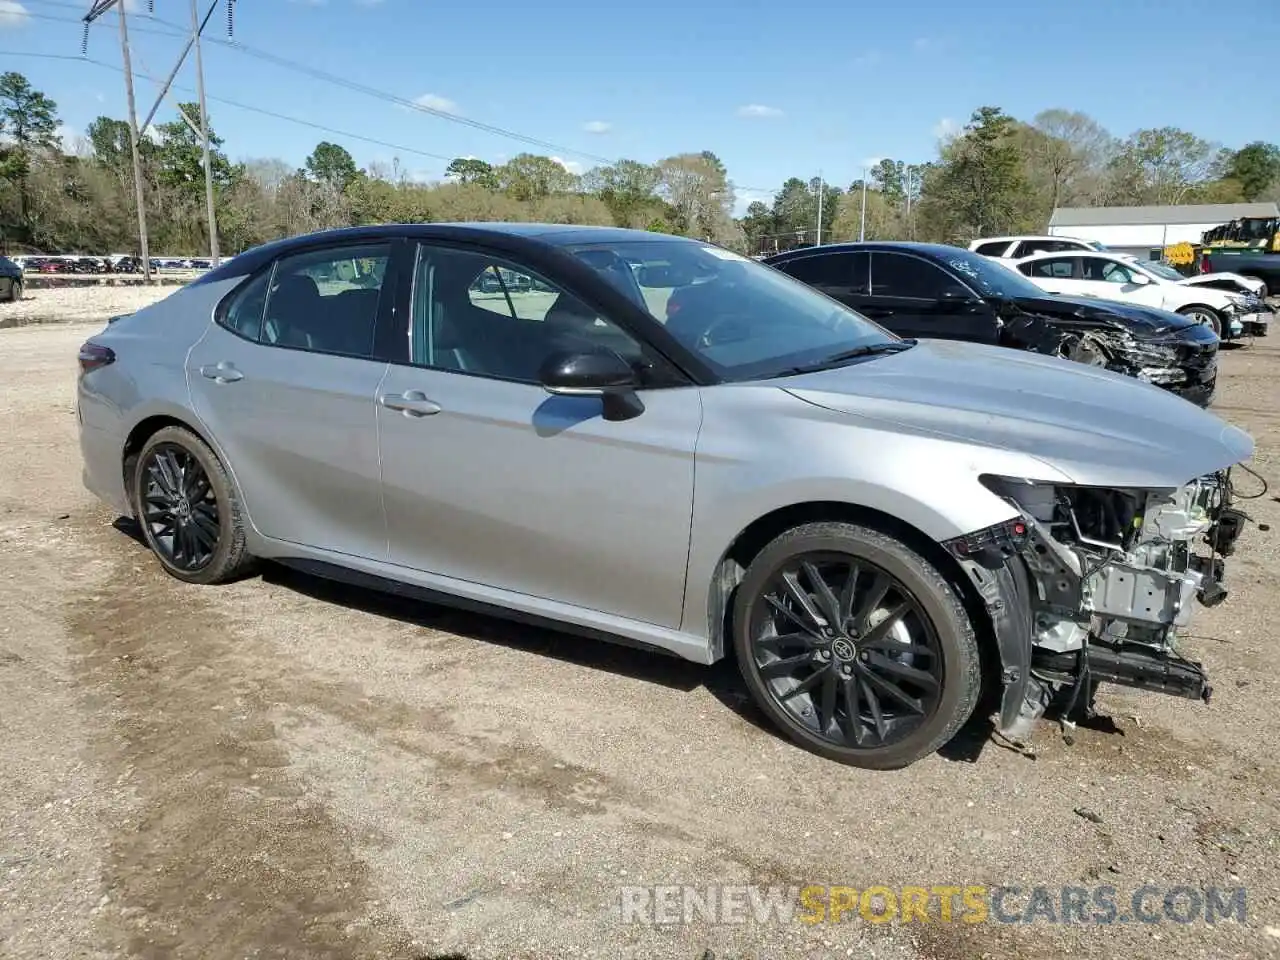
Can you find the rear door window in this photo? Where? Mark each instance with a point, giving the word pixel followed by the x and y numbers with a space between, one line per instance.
pixel 1055 268
pixel 908 277
pixel 835 274
pixel 993 249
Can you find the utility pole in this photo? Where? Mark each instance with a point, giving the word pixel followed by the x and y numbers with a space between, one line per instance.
pixel 821 191
pixel 138 196
pixel 196 28
pixel 862 226
pixel 909 174
pixel 97 9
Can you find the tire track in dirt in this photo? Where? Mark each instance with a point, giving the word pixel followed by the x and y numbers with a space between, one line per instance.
pixel 226 854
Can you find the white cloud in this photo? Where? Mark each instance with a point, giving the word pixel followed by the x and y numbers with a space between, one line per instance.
pixel 744 198
pixel 872 161
pixel 946 128
pixel 758 110
pixel 597 126
pixel 69 137
pixel 12 14
pixel 571 165
pixel 434 101
pixel 868 59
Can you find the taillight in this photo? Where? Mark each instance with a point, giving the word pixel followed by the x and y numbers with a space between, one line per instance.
pixel 1204 264
pixel 94 355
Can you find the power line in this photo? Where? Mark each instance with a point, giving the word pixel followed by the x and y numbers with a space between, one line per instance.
pixel 383 95
pixel 233 103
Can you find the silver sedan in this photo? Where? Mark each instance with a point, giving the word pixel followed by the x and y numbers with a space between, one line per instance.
pixel 653 440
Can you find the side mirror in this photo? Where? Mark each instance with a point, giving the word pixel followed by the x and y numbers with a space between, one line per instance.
pixel 1141 279
pixel 959 299
pixel 601 374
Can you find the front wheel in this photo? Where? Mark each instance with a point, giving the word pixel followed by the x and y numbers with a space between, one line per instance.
pixel 855 645
pixel 15 291
pixel 1206 315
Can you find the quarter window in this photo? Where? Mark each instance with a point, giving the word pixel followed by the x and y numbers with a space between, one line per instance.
pixel 327 300
pixel 480 315
pixel 243 313
pixel 992 249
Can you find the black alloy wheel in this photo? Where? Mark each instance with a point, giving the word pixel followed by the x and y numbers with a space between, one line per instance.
pixel 188 509
pixel 179 508
pixel 855 645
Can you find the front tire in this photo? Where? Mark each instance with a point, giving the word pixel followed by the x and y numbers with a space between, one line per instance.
pixel 1206 315
pixel 187 507
pixel 855 645
pixel 15 291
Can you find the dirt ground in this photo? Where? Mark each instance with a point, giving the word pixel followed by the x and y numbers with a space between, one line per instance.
pixel 285 768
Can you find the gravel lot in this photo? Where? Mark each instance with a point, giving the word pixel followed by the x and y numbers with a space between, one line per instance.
pixel 70 304
pixel 284 768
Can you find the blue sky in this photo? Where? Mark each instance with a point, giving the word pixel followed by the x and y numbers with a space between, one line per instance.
pixel 775 89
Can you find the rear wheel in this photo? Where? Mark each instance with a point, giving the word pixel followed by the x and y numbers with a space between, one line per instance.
pixel 15 291
pixel 1206 315
pixel 855 645
pixel 188 509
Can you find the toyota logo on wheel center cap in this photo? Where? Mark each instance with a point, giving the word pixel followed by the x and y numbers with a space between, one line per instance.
pixel 843 649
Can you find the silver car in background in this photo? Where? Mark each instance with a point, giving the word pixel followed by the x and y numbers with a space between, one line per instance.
pixel 879 529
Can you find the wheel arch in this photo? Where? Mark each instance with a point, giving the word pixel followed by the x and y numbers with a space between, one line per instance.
pixel 738 555
pixel 143 431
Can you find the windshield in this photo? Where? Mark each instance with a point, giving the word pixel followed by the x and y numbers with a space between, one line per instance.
pixel 991 278
pixel 1160 269
pixel 744 319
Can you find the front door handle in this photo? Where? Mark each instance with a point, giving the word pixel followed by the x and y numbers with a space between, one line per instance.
pixel 222 372
pixel 412 403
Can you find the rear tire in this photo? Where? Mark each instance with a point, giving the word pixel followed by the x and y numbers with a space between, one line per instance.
pixel 855 645
pixel 188 509
pixel 15 291
pixel 1206 315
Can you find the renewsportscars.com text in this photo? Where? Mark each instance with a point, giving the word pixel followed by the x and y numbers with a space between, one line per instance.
pixel 969 904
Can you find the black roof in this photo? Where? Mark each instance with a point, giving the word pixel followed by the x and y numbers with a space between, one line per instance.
pixel 925 249
pixel 512 236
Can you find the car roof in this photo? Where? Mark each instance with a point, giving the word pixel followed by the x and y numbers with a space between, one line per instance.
pixel 854 246
pixel 515 235
pixel 1047 254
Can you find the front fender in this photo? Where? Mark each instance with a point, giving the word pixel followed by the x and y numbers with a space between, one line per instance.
pixel 810 454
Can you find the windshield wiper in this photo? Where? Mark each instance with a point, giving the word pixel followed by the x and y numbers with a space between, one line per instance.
pixel 866 350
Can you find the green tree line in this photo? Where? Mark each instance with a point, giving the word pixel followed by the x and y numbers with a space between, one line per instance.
pixel 998 174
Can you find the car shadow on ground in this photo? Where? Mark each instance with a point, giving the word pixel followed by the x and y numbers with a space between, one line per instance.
pixel 721 679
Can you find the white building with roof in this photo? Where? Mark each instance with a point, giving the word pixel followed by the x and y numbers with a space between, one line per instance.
pixel 1144 231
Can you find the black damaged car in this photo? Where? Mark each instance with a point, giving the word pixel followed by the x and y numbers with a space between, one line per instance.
pixel 947 293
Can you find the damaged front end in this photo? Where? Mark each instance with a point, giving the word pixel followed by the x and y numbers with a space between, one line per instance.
pixel 1170 359
pixel 1100 581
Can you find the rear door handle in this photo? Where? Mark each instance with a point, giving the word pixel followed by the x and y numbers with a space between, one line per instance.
pixel 412 403
pixel 222 372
